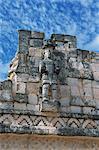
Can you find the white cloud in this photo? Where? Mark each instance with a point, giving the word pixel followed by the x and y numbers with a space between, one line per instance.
pixel 1 50
pixel 83 2
pixel 94 44
pixel 3 70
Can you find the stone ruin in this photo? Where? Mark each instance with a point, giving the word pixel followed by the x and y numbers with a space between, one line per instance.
pixel 52 89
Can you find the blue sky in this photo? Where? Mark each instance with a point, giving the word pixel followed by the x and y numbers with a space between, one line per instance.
pixel 74 17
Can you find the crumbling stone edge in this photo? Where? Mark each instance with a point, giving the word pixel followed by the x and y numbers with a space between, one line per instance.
pixel 59 114
pixel 60 132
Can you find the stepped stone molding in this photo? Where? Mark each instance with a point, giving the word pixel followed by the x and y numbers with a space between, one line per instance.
pixel 48 125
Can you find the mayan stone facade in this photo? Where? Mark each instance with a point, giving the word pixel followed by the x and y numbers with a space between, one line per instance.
pixel 51 97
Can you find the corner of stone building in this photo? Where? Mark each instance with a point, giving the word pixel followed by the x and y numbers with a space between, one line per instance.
pixel 52 94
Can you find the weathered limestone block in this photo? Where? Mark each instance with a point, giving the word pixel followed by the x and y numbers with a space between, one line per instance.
pixel 73 73
pixel 35 52
pixel 81 90
pixel 88 93
pixel 33 67
pixel 95 87
pixel 95 70
pixel 71 40
pixel 76 109
pixel 34 78
pixel 22 69
pixel 24 36
pixel 19 106
pixel 74 64
pixel 77 101
pixel 61 47
pixel 32 99
pixel 50 106
pixel 74 87
pixel 93 56
pixel 57 37
pixel 6 105
pixel 97 111
pixel 96 93
pixel 32 52
pixel 79 53
pixel 36 39
pixel 7 84
pixel 14 84
pixel 87 83
pixel 87 74
pixel 21 87
pixel 66 109
pixel 95 67
pixel 1 87
pixel 90 103
pixel 6 91
pixel 64 91
pixel 37 35
pixel 31 107
pixel 97 103
pixel 22 77
pixel 73 82
pixel 37 61
pixel 23 59
pixel 19 97
pixel 86 55
pixel 32 88
pixel 6 95
pixel 95 84
pixel 36 42
pixel 89 110
pixel 96 76
pixel 75 91
pixel 97 57
pixel 64 102
pixel 73 54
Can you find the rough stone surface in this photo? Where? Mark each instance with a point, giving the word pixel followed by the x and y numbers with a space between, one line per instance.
pixel 19 97
pixel 20 106
pixel 50 106
pixel 21 142
pixel 32 107
pixel 32 99
pixel 21 87
pixel 6 105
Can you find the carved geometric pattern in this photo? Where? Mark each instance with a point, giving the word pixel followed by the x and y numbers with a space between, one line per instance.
pixel 72 122
pixel 6 119
pixel 54 122
pixel 24 119
pixel 58 122
pixel 41 119
pixel 89 124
